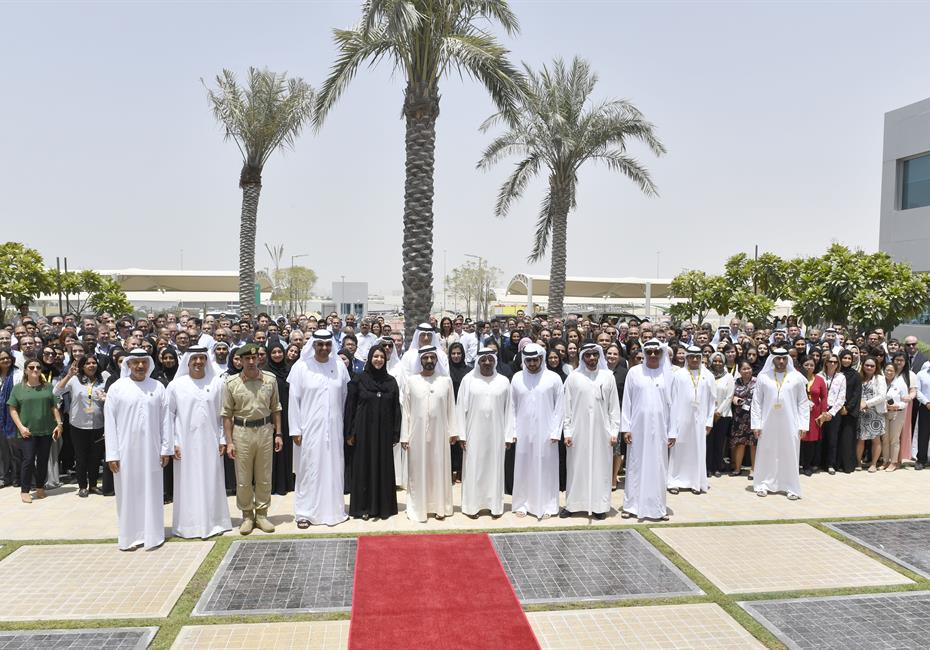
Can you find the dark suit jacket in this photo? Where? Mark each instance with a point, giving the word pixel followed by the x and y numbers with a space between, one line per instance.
pixel 918 360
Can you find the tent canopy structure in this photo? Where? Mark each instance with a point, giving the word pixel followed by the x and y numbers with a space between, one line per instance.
pixel 180 280
pixel 587 289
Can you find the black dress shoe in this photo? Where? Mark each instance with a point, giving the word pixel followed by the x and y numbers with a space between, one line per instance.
pixel 918 466
pixel 600 515
pixel 95 490
pixel 564 514
pixel 82 493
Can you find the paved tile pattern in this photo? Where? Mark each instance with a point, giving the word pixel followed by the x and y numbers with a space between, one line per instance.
pixel 92 581
pixel 672 627
pixel 316 635
pixel 775 557
pixel 305 575
pixel 590 565
pixel 906 541
pixel 120 638
pixel 844 622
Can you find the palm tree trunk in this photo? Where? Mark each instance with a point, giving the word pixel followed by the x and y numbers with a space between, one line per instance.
pixel 250 180
pixel 561 201
pixel 421 108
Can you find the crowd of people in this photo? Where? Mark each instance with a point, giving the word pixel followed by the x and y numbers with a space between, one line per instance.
pixel 175 408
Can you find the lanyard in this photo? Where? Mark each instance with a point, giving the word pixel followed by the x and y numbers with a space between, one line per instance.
pixel 778 385
pixel 695 380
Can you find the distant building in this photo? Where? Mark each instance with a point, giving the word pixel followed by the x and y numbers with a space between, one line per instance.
pixel 904 231
pixel 348 298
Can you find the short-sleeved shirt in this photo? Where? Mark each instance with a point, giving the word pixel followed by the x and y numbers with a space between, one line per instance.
pixel 34 406
pixel 251 399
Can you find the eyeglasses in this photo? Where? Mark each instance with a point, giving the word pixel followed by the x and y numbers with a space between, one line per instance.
pixel 48 353
pixel 32 367
pixel 911 345
pixel 831 360
pixel 653 353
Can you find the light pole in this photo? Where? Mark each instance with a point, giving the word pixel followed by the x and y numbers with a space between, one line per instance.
pixel 343 298
pixel 482 289
pixel 291 283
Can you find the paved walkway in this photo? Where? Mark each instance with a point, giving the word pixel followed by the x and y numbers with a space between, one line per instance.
pixel 65 516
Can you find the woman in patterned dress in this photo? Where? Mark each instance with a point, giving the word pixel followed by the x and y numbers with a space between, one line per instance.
pixel 741 429
pixel 872 412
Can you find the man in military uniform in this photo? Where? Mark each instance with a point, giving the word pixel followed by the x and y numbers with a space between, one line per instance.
pixel 251 413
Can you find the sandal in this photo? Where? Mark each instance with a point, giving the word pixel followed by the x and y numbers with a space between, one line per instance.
pixel 736 473
pixel 545 516
pixel 626 515
pixel 872 469
pixel 520 513
pixel 673 490
pixel 303 524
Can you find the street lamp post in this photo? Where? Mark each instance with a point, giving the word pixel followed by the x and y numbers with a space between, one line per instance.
pixel 291 296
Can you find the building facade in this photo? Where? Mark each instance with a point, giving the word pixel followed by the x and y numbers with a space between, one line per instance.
pixel 904 231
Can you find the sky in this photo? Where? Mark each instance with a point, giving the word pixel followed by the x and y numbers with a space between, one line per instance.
pixel 772 114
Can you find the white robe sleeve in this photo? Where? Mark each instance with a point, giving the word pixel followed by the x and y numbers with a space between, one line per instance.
pixel 568 428
pixel 710 402
pixel 558 412
pixel 755 411
pixel 176 434
pixel 110 431
pixel 803 405
pixel 461 406
pixel 629 394
pixel 293 402
pixel 450 411
pixel 613 408
pixel 167 426
pixel 510 422
pixel 405 413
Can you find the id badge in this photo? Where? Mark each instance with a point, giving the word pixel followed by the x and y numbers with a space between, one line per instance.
pixel 744 406
pixel 777 405
pixel 89 409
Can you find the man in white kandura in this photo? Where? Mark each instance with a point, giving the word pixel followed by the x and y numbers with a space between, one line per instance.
pixel 428 428
pixel 645 427
pixel 195 404
pixel 538 413
pixel 485 430
pixel 137 433
pixel 318 386
pixel 592 420
pixel 692 417
pixel 780 417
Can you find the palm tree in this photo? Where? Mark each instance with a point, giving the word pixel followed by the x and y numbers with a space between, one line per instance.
pixel 425 39
pixel 260 118
pixel 558 127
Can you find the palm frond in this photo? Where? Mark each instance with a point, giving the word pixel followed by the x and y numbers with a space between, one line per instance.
pixel 513 187
pixel 543 229
pixel 630 167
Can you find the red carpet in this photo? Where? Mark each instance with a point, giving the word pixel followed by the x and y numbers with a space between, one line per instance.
pixel 434 591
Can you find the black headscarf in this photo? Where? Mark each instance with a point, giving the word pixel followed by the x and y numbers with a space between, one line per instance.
pixel 278 369
pixel 558 369
pixel 379 377
pixel 230 368
pixel 457 371
pixel 162 374
pixel 351 357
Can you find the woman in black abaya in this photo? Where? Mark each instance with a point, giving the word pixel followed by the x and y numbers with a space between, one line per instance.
pixel 457 371
pixel 282 462
pixel 372 427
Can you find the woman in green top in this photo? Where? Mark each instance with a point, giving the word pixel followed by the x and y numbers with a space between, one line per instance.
pixel 35 413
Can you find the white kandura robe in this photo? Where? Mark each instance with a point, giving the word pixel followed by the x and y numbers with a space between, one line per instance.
pixel 200 507
pixel 646 416
pixel 779 446
pixel 429 423
pixel 692 411
pixel 400 455
pixel 592 417
pixel 137 432
pixel 316 405
pixel 538 413
pixel 485 413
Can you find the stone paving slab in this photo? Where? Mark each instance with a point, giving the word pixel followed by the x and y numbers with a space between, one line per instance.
pixel 905 541
pixel 775 557
pixel 315 635
pixel 589 565
pixel 669 627
pixel 115 638
pixel 65 516
pixel 898 620
pixel 93 581
pixel 277 576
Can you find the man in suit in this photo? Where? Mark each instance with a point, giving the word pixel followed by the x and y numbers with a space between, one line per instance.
pixel 915 361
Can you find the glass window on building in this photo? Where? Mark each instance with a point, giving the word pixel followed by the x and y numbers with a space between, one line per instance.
pixel 915 186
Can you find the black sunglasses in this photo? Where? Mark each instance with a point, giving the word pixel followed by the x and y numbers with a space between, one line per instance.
pixel 653 353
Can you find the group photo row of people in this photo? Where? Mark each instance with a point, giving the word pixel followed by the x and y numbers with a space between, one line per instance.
pixel 556 413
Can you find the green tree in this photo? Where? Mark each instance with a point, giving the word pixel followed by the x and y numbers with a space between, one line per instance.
pixel 425 39
pixel 110 298
pixel 472 282
pixel 268 113
pixel 704 293
pixel 81 286
pixel 294 285
pixel 557 129
pixel 23 276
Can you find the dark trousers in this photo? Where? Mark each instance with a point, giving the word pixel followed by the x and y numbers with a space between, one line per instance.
pixel 923 433
pixel 846 443
pixel 716 442
pixel 808 457
pixel 88 448
pixel 10 460
pixel 35 461
pixel 830 432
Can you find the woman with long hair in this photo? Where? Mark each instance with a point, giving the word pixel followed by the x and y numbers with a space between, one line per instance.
pixel 10 455
pixel 84 385
pixel 724 389
pixel 447 335
pixel 831 417
pixel 906 381
pixel 571 349
pixel 849 426
pixel 871 412
pixel 616 365
pixel 895 408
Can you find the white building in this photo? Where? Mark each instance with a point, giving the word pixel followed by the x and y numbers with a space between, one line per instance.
pixel 904 232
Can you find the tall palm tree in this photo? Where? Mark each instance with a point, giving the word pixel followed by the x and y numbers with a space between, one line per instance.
pixel 425 39
pixel 558 128
pixel 265 115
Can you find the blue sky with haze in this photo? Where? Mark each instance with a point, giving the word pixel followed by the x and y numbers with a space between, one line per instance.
pixel 771 113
